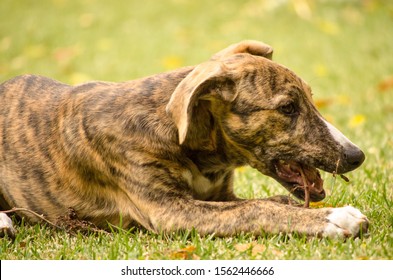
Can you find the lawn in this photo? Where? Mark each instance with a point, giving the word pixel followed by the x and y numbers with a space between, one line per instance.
pixel 343 49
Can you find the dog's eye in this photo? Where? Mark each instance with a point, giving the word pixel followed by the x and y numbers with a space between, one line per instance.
pixel 288 109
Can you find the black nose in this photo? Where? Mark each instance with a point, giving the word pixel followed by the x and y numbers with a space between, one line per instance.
pixel 353 157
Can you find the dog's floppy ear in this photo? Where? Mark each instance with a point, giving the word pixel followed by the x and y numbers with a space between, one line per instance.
pixel 190 102
pixel 247 46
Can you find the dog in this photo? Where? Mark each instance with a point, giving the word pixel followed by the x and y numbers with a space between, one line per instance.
pixel 160 152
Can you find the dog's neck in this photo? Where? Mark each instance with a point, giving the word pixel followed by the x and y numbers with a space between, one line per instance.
pixel 224 156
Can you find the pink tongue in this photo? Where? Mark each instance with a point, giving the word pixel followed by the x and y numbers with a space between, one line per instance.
pixel 292 172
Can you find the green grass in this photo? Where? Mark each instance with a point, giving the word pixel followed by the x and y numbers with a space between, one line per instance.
pixel 344 51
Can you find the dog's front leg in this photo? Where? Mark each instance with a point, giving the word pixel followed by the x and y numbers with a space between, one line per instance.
pixel 284 199
pixel 257 216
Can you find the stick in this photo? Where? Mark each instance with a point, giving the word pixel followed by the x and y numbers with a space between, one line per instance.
pixel 306 190
pixel 15 209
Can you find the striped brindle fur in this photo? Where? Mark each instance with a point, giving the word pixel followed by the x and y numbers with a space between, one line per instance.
pixel 160 152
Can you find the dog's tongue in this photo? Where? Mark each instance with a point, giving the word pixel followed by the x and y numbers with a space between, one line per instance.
pixel 300 175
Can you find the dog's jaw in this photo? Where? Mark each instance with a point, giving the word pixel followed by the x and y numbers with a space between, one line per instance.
pixel 296 177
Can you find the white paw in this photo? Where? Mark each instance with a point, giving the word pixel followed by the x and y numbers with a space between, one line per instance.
pixel 6 227
pixel 345 222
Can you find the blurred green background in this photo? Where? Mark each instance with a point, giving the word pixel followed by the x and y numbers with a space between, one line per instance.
pixel 343 49
pixel 117 40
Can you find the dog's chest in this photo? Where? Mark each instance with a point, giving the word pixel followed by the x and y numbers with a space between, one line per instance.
pixel 203 187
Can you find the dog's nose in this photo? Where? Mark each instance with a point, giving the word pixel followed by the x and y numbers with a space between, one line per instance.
pixel 354 157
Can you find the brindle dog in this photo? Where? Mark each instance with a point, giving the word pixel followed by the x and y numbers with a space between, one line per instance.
pixel 160 152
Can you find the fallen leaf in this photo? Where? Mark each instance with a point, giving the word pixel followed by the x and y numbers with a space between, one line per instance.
pixel 77 78
pixel 104 44
pixel 86 20
pixel 242 247
pixel 357 120
pixel 186 253
pixel 344 99
pixel 386 84
pixel 329 27
pixel 5 44
pixel 172 62
pixel 255 248
pixel 319 204
pixel 329 118
pixel 241 169
pixel 323 102
pixel 320 70
pixel 302 9
pixel 35 51
pixel 65 55
pixel 277 253
pixel 195 257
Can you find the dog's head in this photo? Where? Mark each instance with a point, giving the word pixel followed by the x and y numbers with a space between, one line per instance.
pixel 265 114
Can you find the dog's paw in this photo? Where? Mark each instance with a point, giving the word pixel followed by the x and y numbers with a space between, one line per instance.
pixel 6 227
pixel 345 222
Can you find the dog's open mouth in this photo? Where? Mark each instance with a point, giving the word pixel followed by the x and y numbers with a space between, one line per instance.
pixel 299 179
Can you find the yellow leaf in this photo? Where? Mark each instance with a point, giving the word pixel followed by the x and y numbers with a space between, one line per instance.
pixel 357 120
pixel 65 55
pixel 322 102
pixel 189 249
pixel 329 27
pixel 104 44
pixel 363 258
pixel 86 20
pixel 18 62
pixel 195 257
pixel 241 169
pixel 186 253
pixel 320 70
pixel 242 247
pixel 329 118
pixel 255 248
pixel 319 204
pixel 277 253
pixel 35 51
pixel 172 62
pixel 302 8
pixel 386 84
pixel 77 78
pixel 5 44
pixel 344 99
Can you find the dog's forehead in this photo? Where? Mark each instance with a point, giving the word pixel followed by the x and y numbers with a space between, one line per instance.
pixel 284 75
pixel 277 74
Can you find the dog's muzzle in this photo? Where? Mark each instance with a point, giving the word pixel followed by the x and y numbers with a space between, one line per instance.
pixel 350 156
pixel 353 157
